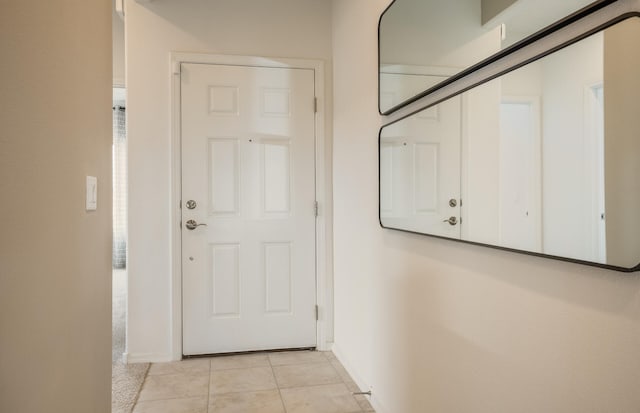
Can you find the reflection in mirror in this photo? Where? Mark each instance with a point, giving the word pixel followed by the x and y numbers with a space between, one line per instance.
pixel 420 171
pixel 544 159
pixel 423 42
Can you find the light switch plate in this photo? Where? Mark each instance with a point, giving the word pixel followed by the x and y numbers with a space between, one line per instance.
pixel 92 193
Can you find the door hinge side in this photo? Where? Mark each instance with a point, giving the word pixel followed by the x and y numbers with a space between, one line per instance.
pixel 315 105
pixel 317 312
pixel 315 208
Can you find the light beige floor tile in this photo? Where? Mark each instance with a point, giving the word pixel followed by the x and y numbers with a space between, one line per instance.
pixel 299 375
pixel 239 362
pixel 242 380
pixel 174 386
pixel 351 385
pixel 333 398
pixel 190 405
pixel 268 401
pixel 329 355
pixel 191 366
pixel 342 372
pixel 296 357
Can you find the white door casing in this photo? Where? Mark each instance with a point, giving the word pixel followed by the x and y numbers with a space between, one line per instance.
pixel 594 168
pixel 248 152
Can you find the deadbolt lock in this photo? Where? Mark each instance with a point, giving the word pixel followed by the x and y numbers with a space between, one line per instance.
pixel 453 203
pixel 191 204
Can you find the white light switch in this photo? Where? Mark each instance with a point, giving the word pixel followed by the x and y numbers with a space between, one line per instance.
pixel 92 193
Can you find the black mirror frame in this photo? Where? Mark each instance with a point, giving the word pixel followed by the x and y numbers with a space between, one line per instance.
pixel 584 35
pixel 572 18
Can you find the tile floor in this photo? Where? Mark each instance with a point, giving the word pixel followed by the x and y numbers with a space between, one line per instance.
pixel 280 382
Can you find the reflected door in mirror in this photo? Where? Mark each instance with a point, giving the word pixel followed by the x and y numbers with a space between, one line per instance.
pixel 420 172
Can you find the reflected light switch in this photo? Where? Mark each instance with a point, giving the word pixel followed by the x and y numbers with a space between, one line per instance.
pixel 92 193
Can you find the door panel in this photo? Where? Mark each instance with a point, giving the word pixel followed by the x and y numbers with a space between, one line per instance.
pixel 248 151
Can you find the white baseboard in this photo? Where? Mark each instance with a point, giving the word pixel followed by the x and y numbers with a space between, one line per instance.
pixel 132 358
pixel 357 378
pixel 362 384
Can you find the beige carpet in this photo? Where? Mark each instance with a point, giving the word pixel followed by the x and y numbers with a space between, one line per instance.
pixel 126 379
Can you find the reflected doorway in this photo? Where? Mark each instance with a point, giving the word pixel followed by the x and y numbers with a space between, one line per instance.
pixel 119 252
pixel 520 182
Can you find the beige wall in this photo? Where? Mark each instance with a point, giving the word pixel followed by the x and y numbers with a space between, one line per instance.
pixel 283 28
pixel 437 326
pixel 622 143
pixel 55 258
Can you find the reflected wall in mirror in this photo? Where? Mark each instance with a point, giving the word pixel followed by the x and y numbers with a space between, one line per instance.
pixel 423 42
pixel 544 159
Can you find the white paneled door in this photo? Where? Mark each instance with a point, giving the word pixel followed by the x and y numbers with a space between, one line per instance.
pixel 248 183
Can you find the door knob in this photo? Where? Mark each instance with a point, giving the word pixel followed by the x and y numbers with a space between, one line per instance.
pixel 191 224
pixel 451 221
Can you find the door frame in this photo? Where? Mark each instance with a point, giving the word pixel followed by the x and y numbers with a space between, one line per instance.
pixel 594 143
pixel 324 286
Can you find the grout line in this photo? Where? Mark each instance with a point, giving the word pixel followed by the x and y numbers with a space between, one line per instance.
pixel 180 373
pixel 277 385
pixel 257 366
pixel 306 363
pixel 173 398
pixel 234 392
pixel 209 388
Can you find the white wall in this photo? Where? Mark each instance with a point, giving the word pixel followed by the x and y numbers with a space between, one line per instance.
pixel 438 326
pixel 284 28
pixel 481 164
pixel 567 187
pixel 117 35
pixel 412 34
pixel 55 257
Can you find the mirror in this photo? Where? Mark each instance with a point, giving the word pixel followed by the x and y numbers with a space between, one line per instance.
pixel 544 159
pixel 423 43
